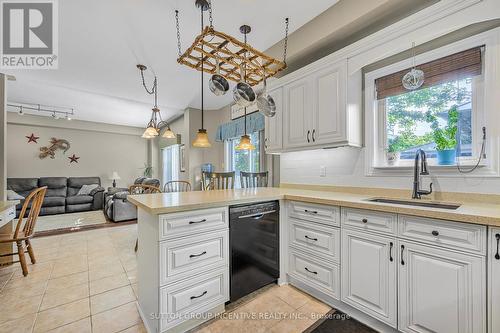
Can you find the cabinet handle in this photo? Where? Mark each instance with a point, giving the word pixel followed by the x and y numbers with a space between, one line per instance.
pixel 308 133
pixel 314 135
pixel 197 255
pixel 201 221
pixel 265 143
pixel 435 233
pixel 497 256
pixel 307 269
pixel 310 211
pixel 390 251
pixel 402 259
pixel 203 294
pixel 364 220
pixel 314 239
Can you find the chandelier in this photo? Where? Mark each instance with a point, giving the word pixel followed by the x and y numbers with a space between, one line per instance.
pixel 224 57
pixel 156 124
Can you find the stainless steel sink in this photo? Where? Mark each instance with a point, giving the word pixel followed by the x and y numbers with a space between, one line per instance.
pixel 422 203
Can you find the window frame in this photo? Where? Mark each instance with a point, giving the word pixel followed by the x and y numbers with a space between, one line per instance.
pixel 483 88
pixel 228 156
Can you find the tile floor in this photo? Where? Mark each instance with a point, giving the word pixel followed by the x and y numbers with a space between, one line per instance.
pixel 86 282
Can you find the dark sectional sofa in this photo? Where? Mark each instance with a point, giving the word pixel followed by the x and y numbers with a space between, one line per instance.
pixel 61 196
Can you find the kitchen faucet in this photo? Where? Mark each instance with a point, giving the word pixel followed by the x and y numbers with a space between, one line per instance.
pixel 417 192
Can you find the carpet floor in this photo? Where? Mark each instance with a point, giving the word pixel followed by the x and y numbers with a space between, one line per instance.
pixel 72 220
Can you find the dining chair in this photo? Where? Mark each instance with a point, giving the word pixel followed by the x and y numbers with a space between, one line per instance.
pixel 254 179
pixel 177 186
pixel 142 189
pixel 29 214
pixel 217 180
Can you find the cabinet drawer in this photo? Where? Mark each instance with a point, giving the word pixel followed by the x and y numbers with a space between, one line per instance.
pixel 369 220
pixel 456 235
pixel 8 215
pixel 190 254
pixel 314 272
pixel 320 239
pixel 180 302
pixel 315 213
pixel 185 223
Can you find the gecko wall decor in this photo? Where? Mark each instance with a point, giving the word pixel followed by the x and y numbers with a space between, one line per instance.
pixel 55 144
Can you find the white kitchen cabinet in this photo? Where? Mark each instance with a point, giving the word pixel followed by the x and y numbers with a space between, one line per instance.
pixel 322 109
pixel 369 274
pixel 494 280
pixel 329 100
pixel 297 115
pixel 273 141
pixel 440 290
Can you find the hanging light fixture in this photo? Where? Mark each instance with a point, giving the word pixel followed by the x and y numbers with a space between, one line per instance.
pixel 201 140
pixel 156 123
pixel 414 79
pixel 245 142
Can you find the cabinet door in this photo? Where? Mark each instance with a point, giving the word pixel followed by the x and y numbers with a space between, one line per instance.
pixel 441 290
pixel 329 99
pixel 494 279
pixel 369 274
pixel 297 116
pixel 274 125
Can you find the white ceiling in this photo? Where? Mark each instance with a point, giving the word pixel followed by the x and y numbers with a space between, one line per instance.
pixel 100 42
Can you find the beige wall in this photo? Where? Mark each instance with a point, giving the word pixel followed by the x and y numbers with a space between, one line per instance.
pixel 102 149
pixel 3 136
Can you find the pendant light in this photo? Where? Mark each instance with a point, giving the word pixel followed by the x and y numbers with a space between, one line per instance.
pixel 201 140
pixel 414 79
pixel 245 142
pixel 156 123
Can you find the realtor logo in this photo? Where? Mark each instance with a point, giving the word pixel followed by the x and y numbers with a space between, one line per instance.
pixel 29 34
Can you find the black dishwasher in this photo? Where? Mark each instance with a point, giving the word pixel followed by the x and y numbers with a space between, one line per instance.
pixel 254 244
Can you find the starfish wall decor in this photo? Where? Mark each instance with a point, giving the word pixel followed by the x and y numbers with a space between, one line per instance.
pixel 73 158
pixel 32 138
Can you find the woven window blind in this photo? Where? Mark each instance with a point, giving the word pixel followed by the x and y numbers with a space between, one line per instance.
pixel 453 67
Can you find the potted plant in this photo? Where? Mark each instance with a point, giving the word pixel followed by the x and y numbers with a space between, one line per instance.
pixel 147 171
pixel 445 138
pixel 393 154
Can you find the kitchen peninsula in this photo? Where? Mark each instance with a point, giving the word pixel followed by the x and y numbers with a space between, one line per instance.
pixel 327 239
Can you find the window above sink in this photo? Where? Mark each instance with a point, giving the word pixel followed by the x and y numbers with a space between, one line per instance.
pixel 461 79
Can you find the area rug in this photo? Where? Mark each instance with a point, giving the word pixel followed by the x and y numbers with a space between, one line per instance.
pixel 72 220
pixel 338 322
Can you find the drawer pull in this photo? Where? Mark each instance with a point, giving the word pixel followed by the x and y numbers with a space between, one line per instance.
pixel 307 269
pixel 497 256
pixel 203 294
pixel 200 221
pixel 314 239
pixel 308 140
pixel 402 258
pixel 364 220
pixel 197 255
pixel 435 233
pixel 390 252
pixel 310 211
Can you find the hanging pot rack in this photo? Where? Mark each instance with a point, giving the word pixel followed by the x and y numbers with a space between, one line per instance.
pixel 212 47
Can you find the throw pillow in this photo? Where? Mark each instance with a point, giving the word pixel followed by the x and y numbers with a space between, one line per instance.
pixel 86 189
pixel 12 195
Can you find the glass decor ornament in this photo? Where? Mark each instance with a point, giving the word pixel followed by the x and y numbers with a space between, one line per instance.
pixel 415 78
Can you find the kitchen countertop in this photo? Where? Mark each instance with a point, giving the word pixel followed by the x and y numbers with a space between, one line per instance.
pixel 163 203
pixel 4 205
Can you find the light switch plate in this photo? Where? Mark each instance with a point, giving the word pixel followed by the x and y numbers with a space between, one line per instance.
pixel 322 171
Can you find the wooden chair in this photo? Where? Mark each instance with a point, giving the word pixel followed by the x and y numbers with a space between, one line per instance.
pixel 217 180
pixel 142 189
pixel 21 234
pixel 253 179
pixel 177 186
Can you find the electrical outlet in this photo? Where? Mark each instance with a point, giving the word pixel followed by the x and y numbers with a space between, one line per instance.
pixel 322 171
